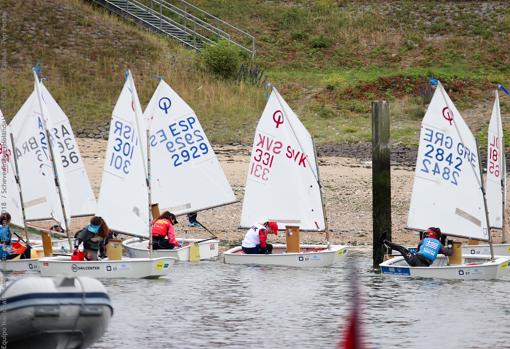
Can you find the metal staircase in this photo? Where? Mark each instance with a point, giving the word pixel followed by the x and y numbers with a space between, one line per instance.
pixel 191 26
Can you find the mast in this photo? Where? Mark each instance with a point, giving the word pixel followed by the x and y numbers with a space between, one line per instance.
pixel 18 182
pixel 146 167
pixel 148 180
pixel 504 232
pixel 52 157
pixel 485 203
pixel 326 223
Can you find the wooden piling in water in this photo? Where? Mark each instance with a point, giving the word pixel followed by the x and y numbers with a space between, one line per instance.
pixel 381 178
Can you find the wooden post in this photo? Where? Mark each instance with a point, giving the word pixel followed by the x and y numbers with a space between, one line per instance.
pixel 381 178
pixel 292 239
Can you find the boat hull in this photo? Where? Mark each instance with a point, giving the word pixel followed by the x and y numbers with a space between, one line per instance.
pixel 137 248
pixel 311 256
pixel 473 268
pixel 124 268
pixel 55 313
pixel 20 265
pixel 474 250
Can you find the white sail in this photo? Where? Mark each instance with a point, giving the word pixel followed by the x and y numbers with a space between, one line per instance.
pixel 447 183
pixel 185 173
pixel 496 169
pixel 71 170
pixel 123 198
pixel 9 192
pixel 40 196
pixel 282 182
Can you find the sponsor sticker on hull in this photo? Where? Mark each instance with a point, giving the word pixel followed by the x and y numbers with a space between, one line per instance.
pixel 395 270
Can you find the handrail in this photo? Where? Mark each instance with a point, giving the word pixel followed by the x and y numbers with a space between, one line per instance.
pixel 179 23
pixel 251 37
pixel 162 20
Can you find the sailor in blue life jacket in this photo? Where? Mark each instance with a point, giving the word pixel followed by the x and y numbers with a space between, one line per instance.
pixel 10 249
pixel 5 235
pixel 427 249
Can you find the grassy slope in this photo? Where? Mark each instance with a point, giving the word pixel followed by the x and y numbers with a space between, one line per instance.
pixel 332 57
pixel 328 58
pixel 84 52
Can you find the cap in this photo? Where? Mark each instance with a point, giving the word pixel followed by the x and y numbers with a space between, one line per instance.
pixel 174 219
pixel 93 228
pixel 434 231
pixel 273 226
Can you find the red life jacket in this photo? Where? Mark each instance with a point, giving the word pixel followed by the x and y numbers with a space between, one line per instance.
pixel 160 227
pixel 164 228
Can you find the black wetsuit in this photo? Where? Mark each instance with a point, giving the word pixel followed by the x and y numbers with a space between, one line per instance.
pixel 412 258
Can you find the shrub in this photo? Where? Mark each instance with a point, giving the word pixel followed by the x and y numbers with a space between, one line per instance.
pixel 222 59
pixel 320 42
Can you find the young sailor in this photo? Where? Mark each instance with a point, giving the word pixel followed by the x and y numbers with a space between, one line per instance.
pixel 254 241
pixel 92 236
pixel 10 250
pixel 163 235
pixel 427 249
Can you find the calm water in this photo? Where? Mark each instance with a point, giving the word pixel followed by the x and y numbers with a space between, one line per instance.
pixel 214 305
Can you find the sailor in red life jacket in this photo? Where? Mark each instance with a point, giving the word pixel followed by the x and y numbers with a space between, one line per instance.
pixel 163 236
pixel 254 241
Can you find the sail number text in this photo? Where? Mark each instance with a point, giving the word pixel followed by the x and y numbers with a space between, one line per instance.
pixel 124 144
pixel 443 157
pixel 494 146
pixel 183 140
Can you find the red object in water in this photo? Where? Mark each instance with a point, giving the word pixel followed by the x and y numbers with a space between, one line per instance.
pixel 78 255
pixel 352 333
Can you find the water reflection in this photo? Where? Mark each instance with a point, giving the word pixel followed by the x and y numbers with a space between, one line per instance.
pixel 214 305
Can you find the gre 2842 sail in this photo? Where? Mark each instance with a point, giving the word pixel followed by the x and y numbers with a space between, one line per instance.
pixel 448 193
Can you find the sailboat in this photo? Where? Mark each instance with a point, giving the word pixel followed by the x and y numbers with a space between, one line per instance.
pixel 283 185
pixel 496 183
pixel 448 193
pixel 32 154
pixel 123 199
pixel 38 198
pixel 10 200
pixel 186 175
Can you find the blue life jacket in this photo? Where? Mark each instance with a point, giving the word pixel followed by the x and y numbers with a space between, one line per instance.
pixel 429 248
pixel 5 241
pixel 5 234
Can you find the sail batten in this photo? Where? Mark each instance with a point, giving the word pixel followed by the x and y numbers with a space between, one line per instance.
pixel 447 190
pixel 282 182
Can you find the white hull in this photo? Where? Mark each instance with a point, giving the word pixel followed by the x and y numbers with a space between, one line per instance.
pixel 125 268
pixel 473 268
pixel 137 248
pixel 20 265
pixel 55 313
pixel 311 256
pixel 499 250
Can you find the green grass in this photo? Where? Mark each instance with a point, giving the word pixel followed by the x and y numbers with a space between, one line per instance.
pixel 329 59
